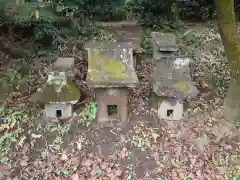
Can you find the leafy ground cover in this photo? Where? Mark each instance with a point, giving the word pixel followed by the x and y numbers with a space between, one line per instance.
pixel 202 146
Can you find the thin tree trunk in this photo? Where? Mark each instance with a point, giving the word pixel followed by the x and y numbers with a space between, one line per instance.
pixel 228 31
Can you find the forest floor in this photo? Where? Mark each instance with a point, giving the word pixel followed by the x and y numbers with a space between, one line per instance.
pixel 202 146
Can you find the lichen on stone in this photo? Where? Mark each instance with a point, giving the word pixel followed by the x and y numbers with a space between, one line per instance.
pixel 183 86
pixel 101 66
pixel 51 93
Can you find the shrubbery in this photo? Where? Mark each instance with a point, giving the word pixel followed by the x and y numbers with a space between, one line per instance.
pixel 165 12
pixel 56 18
pixel 69 17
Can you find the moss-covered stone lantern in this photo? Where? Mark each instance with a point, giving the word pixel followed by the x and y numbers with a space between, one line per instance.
pixel 59 94
pixel 172 84
pixel 111 74
pixel 171 77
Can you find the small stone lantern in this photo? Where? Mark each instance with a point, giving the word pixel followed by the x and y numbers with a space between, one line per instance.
pixel 111 74
pixel 172 84
pixel 65 64
pixel 171 77
pixel 60 92
pixel 164 45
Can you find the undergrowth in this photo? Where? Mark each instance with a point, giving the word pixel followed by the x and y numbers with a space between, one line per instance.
pixel 88 114
pixel 11 128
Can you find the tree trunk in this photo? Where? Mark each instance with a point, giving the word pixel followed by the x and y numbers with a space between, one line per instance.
pixel 228 31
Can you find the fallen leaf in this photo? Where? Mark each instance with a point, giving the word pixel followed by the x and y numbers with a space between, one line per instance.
pixel 44 154
pixel 75 176
pixel 199 173
pixel 79 145
pixel 118 173
pixel 36 136
pixel 87 163
pixel 64 157
pixel 123 154
pixel 21 141
pixel 155 136
pixel 23 162
pixel 104 165
pixel 201 142
pixel 25 148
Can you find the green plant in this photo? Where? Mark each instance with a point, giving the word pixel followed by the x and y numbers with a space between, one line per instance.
pixel 131 175
pixel 161 178
pixel 10 130
pixel 168 15
pixel 236 178
pixel 147 43
pixel 88 114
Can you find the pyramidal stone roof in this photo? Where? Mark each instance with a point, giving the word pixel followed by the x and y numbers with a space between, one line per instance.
pixel 111 66
pixel 171 78
pixel 58 88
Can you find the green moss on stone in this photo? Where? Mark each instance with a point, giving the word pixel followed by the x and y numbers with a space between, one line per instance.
pixel 102 66
pixel 48 94
pixel 183 86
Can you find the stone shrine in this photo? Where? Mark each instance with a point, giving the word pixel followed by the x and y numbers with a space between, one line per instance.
pixel 172 84
pixel 164 45
pixel 65 64
pixel 111 74
pixel 171 78
pixel 60 92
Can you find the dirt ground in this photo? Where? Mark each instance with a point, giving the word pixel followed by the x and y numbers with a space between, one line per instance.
pixel 202 146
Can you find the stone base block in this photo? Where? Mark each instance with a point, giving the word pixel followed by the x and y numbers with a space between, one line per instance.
pixel 170 110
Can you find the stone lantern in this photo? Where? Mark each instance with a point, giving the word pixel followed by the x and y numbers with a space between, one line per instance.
pixel 164 45
pixel 111 74
pixel 65 64
pixel 171 77
pixel 172 85
pixel 60 92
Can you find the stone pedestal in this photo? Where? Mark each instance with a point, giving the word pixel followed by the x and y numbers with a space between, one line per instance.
pixel 65 64
pixel 170 109
pixel 106 97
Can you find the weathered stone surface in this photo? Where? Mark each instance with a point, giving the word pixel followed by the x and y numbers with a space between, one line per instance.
pixel 59 88
pixel 65 64
pixel 164 41
pixel 112 96
pixel 164 44
pixel 170 110
pixel 171 78
pixel 125 33
pixel 51 110
pixel 111 66
pixel 104 44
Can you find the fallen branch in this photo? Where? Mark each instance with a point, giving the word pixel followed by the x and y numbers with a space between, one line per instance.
pixel 12 51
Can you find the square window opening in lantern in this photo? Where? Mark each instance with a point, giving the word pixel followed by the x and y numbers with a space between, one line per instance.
pixel 58 113
pixel 170 112
pixel 112 110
